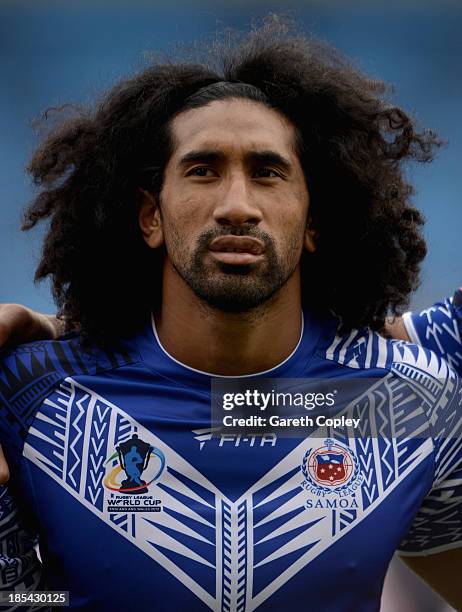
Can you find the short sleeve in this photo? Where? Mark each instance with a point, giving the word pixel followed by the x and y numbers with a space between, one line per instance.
pixel 437 525
pixel 439 329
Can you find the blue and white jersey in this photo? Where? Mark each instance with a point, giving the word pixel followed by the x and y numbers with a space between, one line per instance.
pixel 439 329
pixel 139 504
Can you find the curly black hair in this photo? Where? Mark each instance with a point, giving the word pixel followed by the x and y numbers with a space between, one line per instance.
pixel 352 144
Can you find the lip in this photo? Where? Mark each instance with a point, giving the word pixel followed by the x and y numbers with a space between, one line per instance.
pixel 237 250
pixel 237 245
pixel 236 259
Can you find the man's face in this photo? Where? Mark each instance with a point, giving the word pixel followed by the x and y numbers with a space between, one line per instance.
pixel 234 203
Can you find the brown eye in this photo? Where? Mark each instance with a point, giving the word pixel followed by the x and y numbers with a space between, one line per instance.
pixel 200 171
pixel 266 173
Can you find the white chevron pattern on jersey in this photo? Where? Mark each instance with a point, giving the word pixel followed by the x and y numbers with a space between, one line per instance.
pixel 367 349
pixel 76 430
pixel 439 328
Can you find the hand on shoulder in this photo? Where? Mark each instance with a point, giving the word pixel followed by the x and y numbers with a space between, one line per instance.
pixel 19 324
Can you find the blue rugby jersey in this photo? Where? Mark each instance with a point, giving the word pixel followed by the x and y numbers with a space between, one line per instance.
pixel 138 503
pixel 439 329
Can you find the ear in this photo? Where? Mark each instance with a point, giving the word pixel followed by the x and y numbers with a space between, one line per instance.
pixel 311 235
pixel 150 220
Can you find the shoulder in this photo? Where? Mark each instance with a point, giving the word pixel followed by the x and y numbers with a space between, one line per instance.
pixel 366 350
pixel 26 363
pixel 420 388
pixel 29 372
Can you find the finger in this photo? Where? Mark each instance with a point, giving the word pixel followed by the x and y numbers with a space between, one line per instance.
pixel 4 471
pixel 15 322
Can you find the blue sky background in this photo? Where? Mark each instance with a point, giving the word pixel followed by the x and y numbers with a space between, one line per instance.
pixel 55 52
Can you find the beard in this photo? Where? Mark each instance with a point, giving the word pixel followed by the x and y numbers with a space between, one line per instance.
pixel 234 288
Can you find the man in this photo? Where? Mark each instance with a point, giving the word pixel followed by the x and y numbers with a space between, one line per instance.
pixel 231 205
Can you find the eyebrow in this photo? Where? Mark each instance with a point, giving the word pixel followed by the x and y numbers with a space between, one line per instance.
pixel 256 157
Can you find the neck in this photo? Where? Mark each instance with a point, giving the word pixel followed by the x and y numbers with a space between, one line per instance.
pixel 229 344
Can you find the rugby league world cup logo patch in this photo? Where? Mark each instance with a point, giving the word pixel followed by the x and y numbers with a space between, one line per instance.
pixel 332 475
pixel 134 458
pixel 132 468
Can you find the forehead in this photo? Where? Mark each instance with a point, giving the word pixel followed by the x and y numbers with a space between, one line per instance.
pixel 233 125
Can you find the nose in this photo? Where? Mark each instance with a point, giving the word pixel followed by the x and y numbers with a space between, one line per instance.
pixel 237 205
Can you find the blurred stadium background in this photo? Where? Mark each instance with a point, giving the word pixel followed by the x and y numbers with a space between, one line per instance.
pixel 52 52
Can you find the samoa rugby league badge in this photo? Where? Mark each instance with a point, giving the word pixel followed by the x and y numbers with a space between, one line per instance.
pixel 332 476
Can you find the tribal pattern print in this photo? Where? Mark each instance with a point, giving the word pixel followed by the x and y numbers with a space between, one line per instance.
pixel 243 550
pixel 439 329
pixel 19 566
